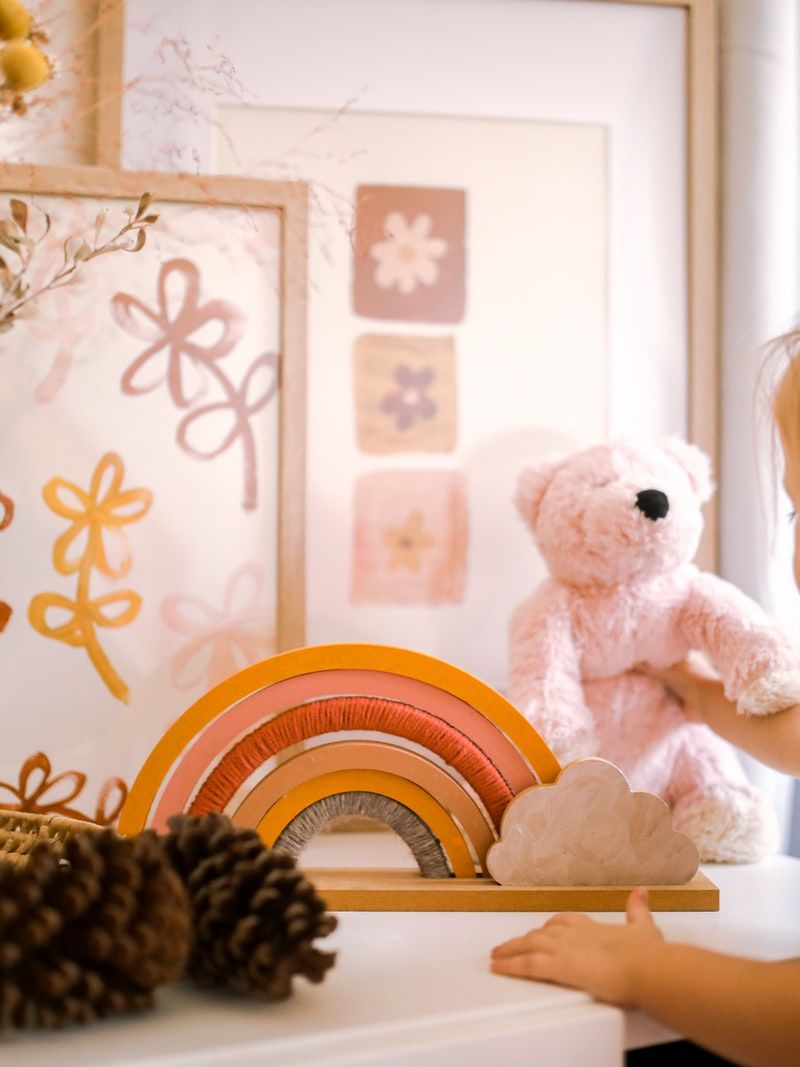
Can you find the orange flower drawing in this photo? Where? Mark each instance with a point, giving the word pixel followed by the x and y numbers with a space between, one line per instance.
pixel 407 542
pixel 97 517
pixel 7 505
pixel 38 791
pixel 6 515
pixel 94 539
pixel 220 642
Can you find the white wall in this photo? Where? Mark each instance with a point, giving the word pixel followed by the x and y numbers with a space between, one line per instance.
pixel 619 65
pixel 761 297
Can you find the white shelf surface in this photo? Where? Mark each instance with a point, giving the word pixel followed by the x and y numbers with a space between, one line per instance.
pixel 415 987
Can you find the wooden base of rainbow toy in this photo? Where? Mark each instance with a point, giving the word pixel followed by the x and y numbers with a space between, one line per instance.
pixel 288 744
pixel 401 890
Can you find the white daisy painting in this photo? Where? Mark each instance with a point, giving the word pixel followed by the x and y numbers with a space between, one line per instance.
pixel 409 256
pixel 410 253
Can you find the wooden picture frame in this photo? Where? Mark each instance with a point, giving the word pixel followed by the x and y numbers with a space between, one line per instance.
pixel 702 222
pixel 289 200
pixel 86 416
pixel 110 59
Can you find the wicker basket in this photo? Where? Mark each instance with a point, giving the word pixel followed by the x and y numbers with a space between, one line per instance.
pixel 20 831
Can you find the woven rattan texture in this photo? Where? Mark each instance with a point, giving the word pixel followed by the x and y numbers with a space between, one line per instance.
pixel 20 831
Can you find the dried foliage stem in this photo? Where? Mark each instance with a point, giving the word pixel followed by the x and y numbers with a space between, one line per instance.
pixel 17 297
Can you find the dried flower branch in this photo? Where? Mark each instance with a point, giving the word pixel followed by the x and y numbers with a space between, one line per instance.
pixel 17 295
pixel 183 87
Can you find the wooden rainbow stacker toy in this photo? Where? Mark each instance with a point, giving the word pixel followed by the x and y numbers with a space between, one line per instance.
pixel 306 736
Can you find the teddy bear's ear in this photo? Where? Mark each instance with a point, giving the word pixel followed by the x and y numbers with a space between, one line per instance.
pixel 696 464
pixel 532 485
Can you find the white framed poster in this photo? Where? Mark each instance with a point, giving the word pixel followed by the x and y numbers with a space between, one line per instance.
pixel 640 77
pixel 457 327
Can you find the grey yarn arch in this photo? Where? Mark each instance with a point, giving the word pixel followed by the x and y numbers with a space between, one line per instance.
pixel 424 845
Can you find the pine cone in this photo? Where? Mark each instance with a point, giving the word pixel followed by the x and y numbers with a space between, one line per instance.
pixel 255 914
pixel 89 933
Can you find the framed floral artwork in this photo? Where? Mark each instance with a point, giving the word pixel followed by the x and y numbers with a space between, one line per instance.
pixel 446 350
pixel 151 505
pixel 512 256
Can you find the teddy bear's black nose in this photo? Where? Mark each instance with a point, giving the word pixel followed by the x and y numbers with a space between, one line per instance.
pixel 652 503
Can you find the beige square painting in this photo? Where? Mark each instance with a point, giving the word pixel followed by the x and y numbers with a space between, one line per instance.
pixel 405 393
pixel 410 538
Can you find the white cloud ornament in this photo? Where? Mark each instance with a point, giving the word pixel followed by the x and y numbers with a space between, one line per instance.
pixel 590 828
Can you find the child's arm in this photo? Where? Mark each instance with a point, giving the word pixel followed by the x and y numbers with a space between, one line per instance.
pixel 742 1009
pixel 773 739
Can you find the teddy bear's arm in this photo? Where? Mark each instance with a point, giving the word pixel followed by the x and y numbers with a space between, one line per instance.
pixel 758 663
pixel 545 680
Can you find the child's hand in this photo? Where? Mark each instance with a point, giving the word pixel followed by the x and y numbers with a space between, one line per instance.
pixel 574 950
pixel 694 683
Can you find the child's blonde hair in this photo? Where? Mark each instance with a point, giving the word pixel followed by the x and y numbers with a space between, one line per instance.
pixel 786 395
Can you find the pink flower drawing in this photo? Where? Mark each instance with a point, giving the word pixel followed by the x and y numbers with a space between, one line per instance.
pixel 71 321
pixel 172 335
pixel 220 642
pixel 259 385
pixel 178 358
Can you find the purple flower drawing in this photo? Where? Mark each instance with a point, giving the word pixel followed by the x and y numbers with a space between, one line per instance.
pixel 409 402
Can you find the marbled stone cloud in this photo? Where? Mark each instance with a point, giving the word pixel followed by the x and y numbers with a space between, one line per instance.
pixel 590 828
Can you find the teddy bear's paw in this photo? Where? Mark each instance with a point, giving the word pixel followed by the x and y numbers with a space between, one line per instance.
pixel 729 824
pixel 774 691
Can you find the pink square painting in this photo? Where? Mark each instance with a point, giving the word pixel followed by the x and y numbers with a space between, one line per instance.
pixel 409 255
pixel 410 538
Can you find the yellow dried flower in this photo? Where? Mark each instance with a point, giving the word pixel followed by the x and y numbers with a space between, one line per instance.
pixel 15 20
pixel 24 66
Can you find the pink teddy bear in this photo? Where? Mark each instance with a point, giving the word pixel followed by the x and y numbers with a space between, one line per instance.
pixel 618 525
